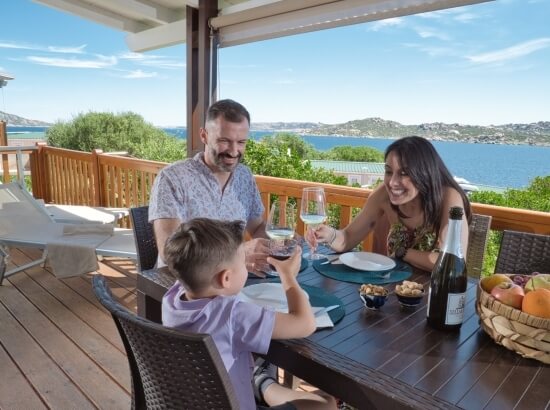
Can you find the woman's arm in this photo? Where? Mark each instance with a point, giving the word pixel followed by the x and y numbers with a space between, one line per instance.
pixel 362 224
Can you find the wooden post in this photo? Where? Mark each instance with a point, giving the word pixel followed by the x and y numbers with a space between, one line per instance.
pixel 201 70
pixel 98 184
pixel 39 173
pixel 5 158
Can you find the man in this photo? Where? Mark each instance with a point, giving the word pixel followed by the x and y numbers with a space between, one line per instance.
pixel 213 184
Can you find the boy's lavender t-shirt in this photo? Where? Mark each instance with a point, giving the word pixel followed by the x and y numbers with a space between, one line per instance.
pixel 237 328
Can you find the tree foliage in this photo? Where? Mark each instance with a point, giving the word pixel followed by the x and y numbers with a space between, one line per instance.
pixel 355 154
pixel 283 156
pixel 280 160
pixel 535 197
pixel 110 132
pixel 286 140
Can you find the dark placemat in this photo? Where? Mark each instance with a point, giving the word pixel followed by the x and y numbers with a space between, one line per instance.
pixel 321 298
pixel 318 298
pixel 344 273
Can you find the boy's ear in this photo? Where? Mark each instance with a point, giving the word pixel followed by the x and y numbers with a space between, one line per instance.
pixel 222 278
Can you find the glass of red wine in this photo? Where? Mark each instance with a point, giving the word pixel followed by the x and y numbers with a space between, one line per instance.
pixel 280 249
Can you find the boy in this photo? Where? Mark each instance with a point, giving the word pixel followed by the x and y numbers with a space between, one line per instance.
pixel 208 258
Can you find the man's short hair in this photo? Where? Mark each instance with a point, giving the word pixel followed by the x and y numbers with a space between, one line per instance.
pixel 200 248
pixel 230 110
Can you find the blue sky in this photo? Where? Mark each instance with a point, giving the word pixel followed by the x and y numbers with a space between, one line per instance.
pixel 482 64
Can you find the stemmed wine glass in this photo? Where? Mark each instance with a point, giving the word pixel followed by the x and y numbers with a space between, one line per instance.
pixel 313 213
pixel 280 228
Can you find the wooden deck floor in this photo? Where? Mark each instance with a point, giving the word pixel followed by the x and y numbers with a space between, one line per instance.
pixel 59 347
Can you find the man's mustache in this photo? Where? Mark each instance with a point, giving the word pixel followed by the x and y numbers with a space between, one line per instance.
pixel 225 155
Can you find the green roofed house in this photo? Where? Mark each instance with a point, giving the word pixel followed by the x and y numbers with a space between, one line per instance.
pixel 363 173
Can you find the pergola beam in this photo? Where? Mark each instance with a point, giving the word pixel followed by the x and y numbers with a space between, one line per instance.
pixel 161 36
pixel 97 14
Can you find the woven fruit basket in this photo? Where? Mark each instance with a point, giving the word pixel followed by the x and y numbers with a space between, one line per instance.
pixel 518 331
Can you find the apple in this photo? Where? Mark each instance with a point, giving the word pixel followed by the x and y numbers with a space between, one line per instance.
pixel 509 293
pixel 540 281
pixel 489 282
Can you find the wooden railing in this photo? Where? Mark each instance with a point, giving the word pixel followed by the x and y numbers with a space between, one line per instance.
pixel 100 179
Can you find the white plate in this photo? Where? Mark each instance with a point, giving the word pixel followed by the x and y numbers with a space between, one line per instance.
pixel 269 295
pixel 367 261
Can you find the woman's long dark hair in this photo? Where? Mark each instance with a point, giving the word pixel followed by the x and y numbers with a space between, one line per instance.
pixel 419 159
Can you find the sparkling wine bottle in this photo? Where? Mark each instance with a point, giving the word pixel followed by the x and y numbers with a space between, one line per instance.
pixel 447 296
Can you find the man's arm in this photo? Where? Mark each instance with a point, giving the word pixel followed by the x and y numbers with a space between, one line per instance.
pixel 163 229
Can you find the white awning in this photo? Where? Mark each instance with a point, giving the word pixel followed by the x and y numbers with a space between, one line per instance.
pixel 155 24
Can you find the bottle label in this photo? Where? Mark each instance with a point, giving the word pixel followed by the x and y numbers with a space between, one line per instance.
pixel 455 308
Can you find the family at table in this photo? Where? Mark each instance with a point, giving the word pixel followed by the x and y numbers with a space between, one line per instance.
pixel 201 208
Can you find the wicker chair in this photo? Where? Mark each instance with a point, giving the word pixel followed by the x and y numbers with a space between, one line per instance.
pixel 477 244
pixel 170 369
pixel 146 245
pixel 522 252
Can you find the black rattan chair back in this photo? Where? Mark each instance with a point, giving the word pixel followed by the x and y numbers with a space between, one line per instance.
pixel 477 244
pixel 144 236
pixel 170 369
pixel 522 252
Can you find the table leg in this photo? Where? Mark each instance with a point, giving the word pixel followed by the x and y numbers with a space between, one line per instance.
pixel 290 381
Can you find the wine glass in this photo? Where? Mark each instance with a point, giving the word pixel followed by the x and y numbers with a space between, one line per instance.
pixel 313 213
pixel 280 228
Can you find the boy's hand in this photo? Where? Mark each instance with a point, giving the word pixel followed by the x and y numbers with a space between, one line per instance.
pixel 288 268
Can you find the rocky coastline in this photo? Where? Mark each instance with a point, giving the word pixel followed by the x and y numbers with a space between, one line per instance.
pixel 511 134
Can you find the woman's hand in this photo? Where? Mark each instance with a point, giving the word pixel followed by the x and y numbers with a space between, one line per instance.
pixel 323 233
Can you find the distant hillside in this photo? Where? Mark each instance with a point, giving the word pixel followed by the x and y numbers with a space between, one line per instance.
pixel 533 134
pixel 283 126
pixel 537 133
pixel 18 121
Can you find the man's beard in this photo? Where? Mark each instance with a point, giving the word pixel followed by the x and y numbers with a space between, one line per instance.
pixel 227 167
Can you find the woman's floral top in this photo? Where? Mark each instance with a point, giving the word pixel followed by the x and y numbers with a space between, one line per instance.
pixel 421 238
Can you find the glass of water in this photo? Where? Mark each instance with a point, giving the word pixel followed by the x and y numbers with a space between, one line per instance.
pixel 313 213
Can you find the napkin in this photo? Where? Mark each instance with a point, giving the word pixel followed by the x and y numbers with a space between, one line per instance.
pixel 322 321
pixel 272 296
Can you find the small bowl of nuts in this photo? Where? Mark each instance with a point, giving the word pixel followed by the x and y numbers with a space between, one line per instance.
pixel 373 296
pixel 409 293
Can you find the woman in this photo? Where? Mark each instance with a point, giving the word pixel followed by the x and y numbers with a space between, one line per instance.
pixel 414 201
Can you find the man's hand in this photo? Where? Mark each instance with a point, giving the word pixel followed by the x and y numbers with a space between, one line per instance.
pixel 257 251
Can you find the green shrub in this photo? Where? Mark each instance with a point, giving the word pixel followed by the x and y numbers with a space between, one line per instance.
pixel 110 132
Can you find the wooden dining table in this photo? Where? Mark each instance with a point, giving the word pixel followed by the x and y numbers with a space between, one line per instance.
pixel 390 358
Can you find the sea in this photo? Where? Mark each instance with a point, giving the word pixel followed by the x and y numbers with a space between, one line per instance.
pixel 504 166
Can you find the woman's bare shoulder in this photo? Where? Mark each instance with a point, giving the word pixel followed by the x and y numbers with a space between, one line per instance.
pixel 452 196
pixel 381 199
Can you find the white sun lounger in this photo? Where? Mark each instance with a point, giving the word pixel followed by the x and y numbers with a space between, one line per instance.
pixel 24 222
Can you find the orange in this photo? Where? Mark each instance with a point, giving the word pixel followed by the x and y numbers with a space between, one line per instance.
pixel 537 303
pixel 489 282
